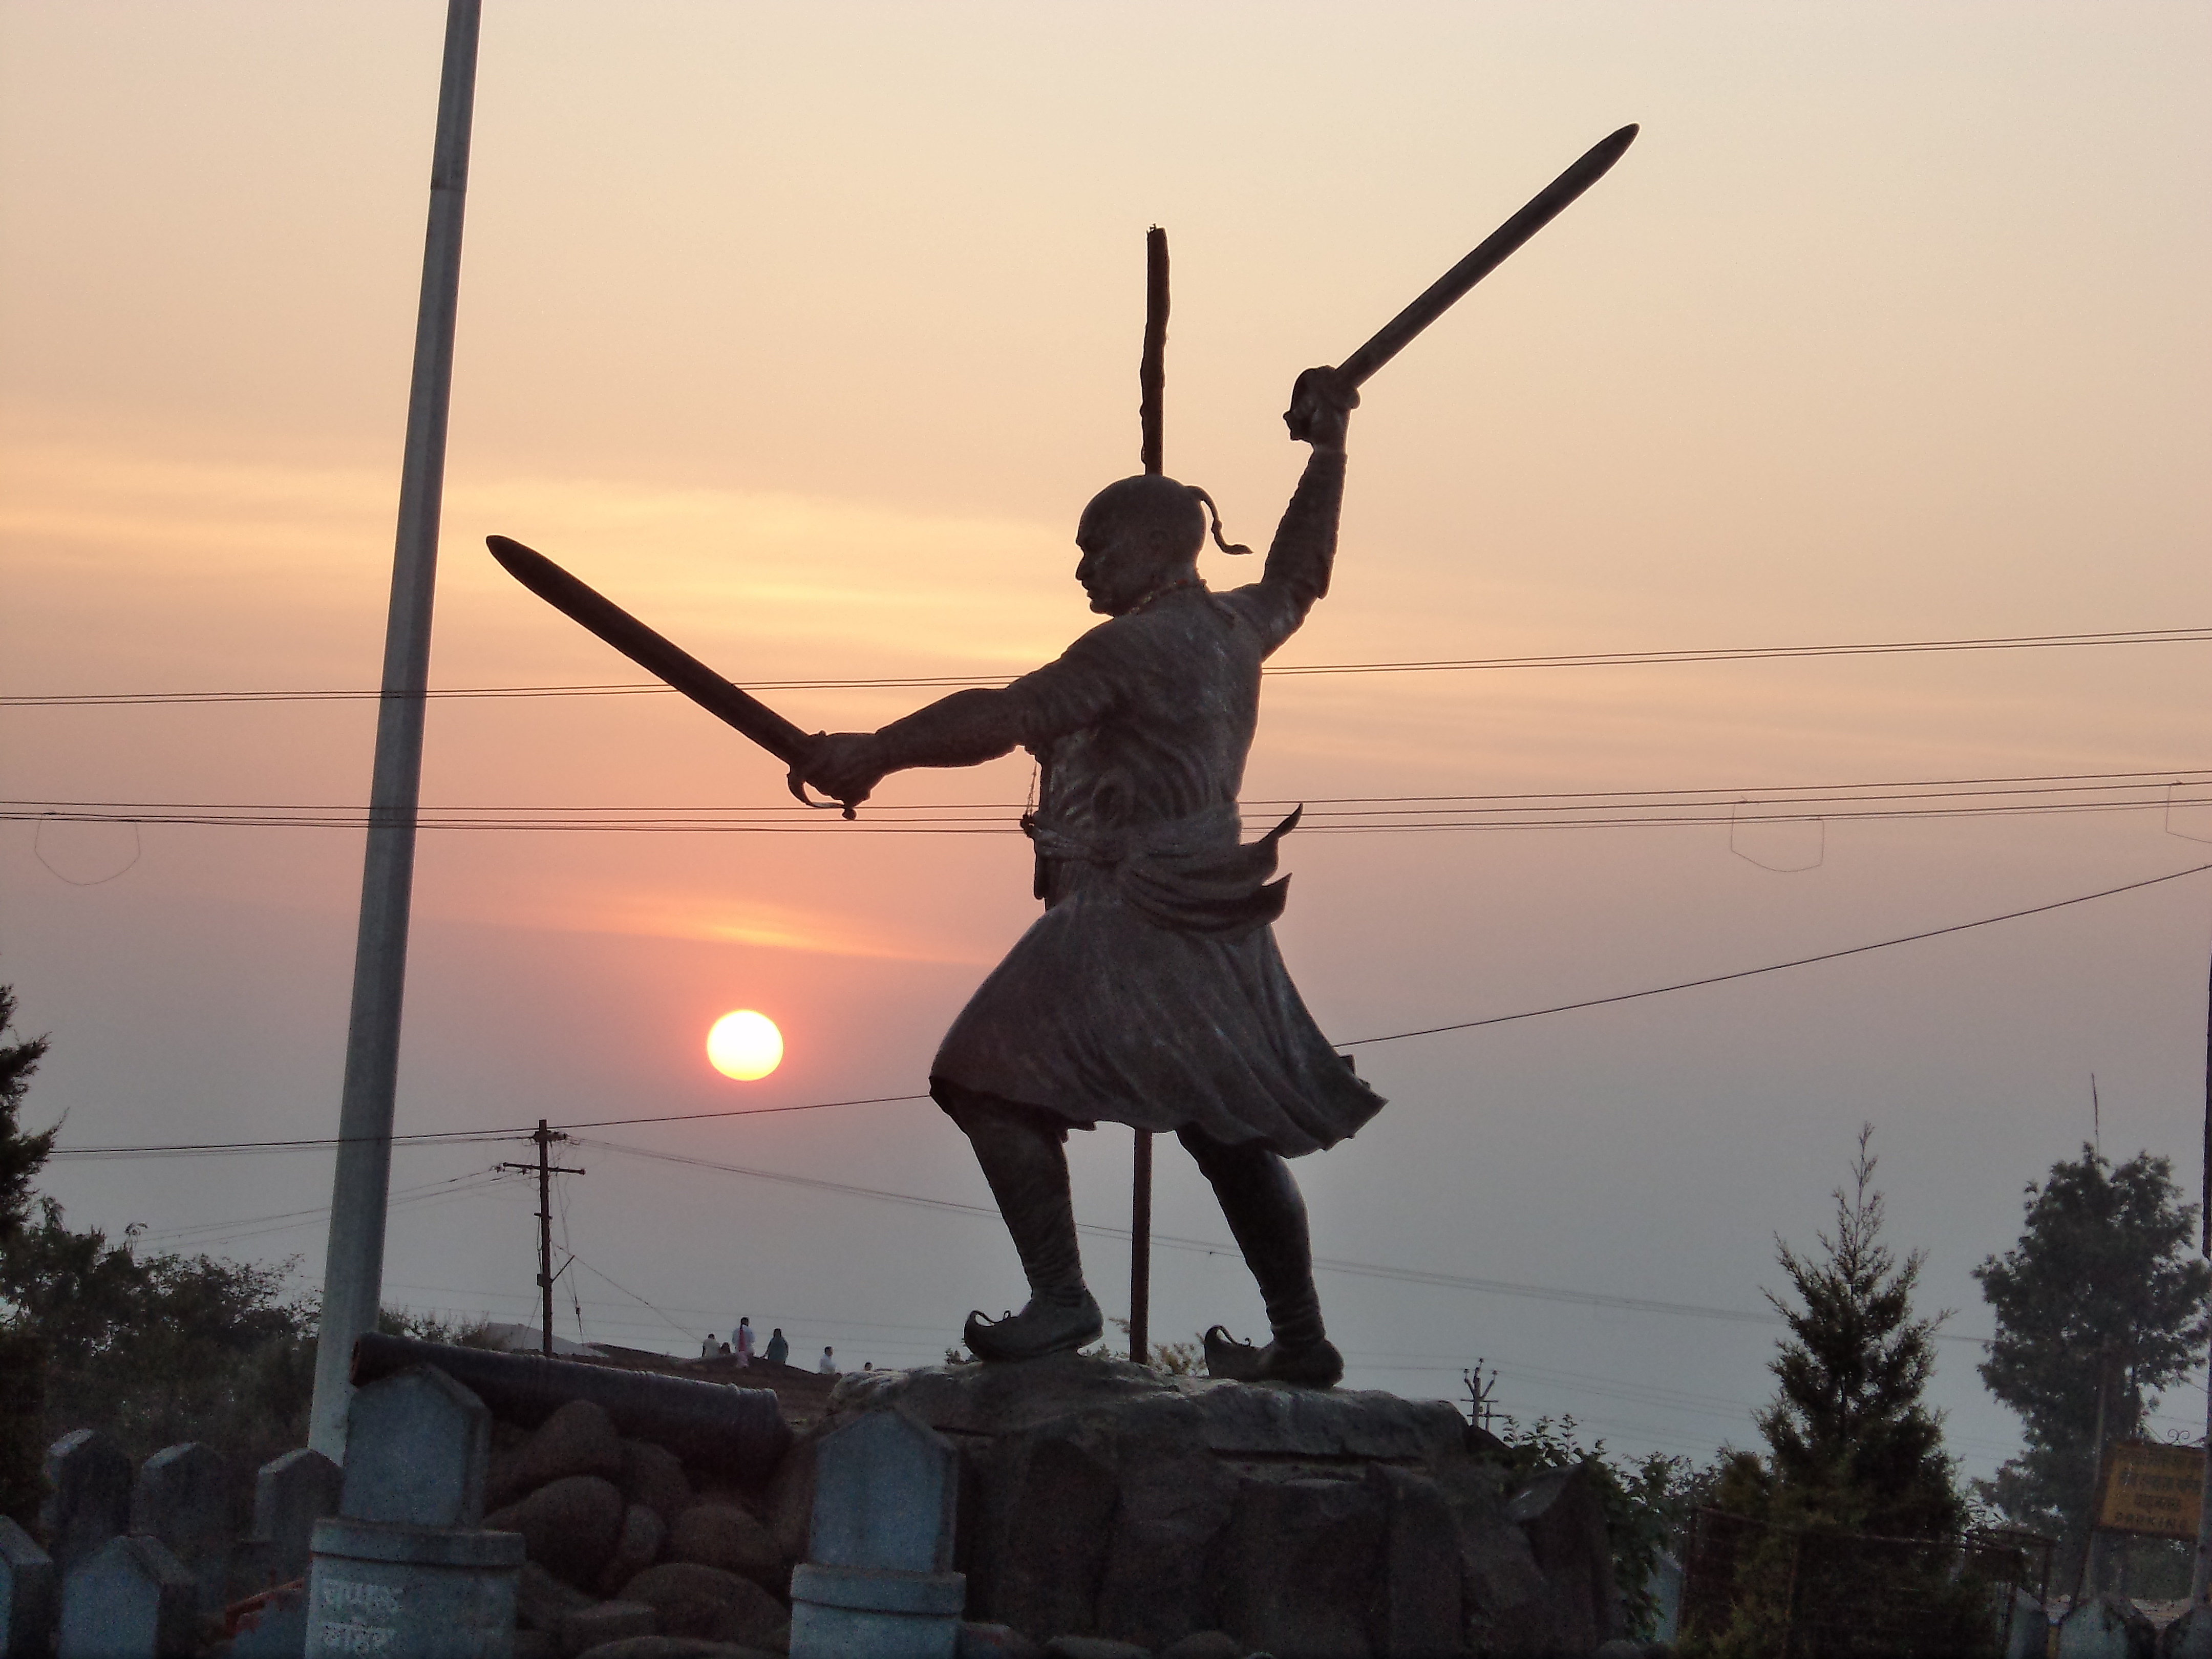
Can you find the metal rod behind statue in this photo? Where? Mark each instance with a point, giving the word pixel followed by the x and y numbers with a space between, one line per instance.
pixel 1151 379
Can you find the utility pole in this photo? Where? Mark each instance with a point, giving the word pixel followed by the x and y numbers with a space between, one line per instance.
pixel 353 1268
pixel 1151 377
pixel 546 1170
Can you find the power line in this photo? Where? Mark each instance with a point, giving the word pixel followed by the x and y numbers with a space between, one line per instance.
pixel 1582 659
pixel 1209 1247
pixel 1895 798
pixel 454 1137
pixel 1778 967
pixel 469 1136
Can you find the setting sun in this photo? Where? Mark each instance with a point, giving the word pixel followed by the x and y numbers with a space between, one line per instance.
pixel 744 1045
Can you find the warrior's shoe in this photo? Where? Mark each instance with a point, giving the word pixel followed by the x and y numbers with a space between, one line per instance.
pixel 1046 1325
pixel 1312 1364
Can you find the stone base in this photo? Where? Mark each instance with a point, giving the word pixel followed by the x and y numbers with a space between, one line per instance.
pixel 378 1587
pixel 1101 1498
pixel 864 1612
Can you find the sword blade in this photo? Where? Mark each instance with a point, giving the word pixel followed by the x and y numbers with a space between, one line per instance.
pixel 661 658
pixel 1398 333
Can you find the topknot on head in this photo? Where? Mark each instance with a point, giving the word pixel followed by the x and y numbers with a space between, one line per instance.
pixel 1152 499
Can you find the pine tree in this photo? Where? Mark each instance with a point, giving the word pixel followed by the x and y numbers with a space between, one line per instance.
pixel 1851 1442
pixel 2102 1278
pixel 20 1154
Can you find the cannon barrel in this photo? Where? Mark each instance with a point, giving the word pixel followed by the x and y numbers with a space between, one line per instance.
pixel 737 1433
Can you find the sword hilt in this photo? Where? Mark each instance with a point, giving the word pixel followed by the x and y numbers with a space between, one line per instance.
pixel 798 786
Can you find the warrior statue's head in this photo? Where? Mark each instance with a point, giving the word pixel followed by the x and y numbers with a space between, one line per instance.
pixel 1140 536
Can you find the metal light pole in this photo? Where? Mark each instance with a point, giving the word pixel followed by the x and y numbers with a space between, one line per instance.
pixel 1152 377
pixel 353 1270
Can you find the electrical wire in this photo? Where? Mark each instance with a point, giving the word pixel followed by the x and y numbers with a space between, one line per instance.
pixel 2068 793
pixel 469 1136
pixel 1778 967
pixel 1210 1247
pixel 1445 665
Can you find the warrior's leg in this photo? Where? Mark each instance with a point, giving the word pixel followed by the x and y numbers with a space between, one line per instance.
pixel 1268 1218
pixel 1024 1158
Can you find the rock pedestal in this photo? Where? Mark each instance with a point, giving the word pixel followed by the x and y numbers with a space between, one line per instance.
pixel 1099 1499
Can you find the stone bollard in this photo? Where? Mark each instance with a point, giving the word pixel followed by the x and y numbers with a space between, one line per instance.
pixel 878 1583
pixel 404 1568
pixel 27 1602
pixel 182 1496
pixel 132 1600
pixel 417 1448
pixel 88 1497
pixel 290 1494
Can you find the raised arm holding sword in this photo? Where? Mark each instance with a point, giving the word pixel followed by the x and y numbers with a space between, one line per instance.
pixel 1151 991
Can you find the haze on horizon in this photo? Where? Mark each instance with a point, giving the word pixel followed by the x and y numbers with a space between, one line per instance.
pixel 806 333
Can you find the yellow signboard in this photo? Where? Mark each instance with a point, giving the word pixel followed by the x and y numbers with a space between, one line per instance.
pixel 2151 1488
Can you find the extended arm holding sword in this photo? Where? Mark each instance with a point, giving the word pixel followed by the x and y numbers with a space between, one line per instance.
pixel 972 727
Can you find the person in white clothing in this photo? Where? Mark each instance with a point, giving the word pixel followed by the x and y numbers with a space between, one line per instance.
pixel 707 1348
pixel 829 1365
pixel 741 1339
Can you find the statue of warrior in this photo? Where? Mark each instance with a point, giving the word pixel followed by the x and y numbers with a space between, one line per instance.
pixel 1150 991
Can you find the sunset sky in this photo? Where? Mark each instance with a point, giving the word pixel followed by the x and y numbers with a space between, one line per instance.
pixel 805 334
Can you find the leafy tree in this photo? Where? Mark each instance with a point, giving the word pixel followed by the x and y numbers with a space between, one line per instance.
pixel 2101 1286
pixel 150 1346
pixel 1851 1442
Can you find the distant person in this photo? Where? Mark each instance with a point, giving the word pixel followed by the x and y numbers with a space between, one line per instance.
pixel 742 1336
pixel 725 1350
pixel 707 1348
pixel 778 1351
pixel 829 1365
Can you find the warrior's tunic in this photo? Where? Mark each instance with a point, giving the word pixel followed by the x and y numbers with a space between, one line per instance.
pixel 1151 991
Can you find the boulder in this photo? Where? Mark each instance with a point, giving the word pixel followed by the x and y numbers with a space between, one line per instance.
pixel 996 1642
pixel 1157 1586
pixel 1420 1603
pixel 2107 1626
pixel 671 1647
pixel 578 1439
pixel 727 1536
pixel 1301 1560
pixel 570 1527
pixel 1047 1515
pixel 1506 1601
pixel 603 1622
pixel 542 1601
pixel 695 1600
pixel 1093 1647
pixel 654 1476
pixel 1205 1645
pixel 790 1497
pixel 636 1547
pixel 1560 1514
